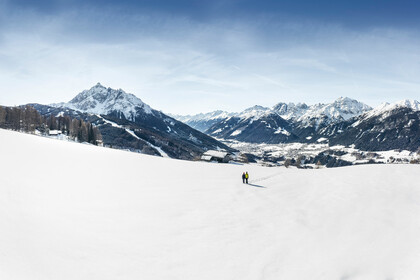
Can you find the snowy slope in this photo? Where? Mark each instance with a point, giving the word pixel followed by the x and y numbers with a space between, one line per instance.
pixel 120 215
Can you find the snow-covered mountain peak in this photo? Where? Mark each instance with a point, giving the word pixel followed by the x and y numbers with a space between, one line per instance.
pixel 317 115
pixel 342 100
pixel 219 114
pixel 203 117
pixel 255 112
pixel 386 108
pixel 345 108
pixel 102 100
pixel 256 108
pixel 412 104
pixel 406 103
pixel 290 110
pixel 341 109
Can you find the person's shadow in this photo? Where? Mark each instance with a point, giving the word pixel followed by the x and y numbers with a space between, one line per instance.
pixel 257 186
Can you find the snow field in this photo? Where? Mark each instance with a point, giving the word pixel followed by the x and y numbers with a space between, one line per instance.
pixel 73 211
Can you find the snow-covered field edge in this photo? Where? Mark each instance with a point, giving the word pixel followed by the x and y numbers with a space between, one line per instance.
pixel 71 211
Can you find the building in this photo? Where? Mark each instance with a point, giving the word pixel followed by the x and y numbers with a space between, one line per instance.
pixel 99 143
pixel 54 132
pixel 219 156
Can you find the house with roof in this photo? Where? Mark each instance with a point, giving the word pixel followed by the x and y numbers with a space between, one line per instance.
pixel 219 156
pixel 54 132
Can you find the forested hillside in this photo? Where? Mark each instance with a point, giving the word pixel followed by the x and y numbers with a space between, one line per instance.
pixel 27 119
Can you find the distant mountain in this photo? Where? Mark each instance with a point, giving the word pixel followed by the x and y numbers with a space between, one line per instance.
pixel 320 114
pixel 387 127
pixel 282 123
pixel 128 123
pixel 290 110
pixel 256 125
pixel 308 120
pixel 202 122
pixel 299 115
pixel 343 122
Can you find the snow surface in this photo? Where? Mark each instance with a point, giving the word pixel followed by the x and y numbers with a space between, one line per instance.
pixel 74 211
pixel 282 131
pixel 236 132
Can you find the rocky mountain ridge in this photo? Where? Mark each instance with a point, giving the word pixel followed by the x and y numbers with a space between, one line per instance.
pixel 126 122
pixel 107 101
pixel 343 122
pixel 317 115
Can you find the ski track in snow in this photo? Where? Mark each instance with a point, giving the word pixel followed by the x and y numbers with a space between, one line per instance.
pixel 264 178
pixel 162 153
pixel 133 216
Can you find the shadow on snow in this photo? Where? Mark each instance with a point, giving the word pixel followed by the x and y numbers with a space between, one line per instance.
pixel 257 186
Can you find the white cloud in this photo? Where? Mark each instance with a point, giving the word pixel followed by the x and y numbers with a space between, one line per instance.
pixel 181 66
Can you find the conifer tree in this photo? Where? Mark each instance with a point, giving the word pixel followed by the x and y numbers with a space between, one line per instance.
pixel 2 115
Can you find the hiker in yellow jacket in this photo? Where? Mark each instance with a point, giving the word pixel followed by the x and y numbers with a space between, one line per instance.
pixel 246 177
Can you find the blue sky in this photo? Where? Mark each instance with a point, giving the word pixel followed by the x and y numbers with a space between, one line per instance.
pixel 198 56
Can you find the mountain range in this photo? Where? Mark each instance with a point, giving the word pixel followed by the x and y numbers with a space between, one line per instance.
pixel 126 122
pixel 343 122
pixel 301 115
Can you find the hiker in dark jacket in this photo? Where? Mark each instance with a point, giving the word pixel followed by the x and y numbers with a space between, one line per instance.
pixel 243 177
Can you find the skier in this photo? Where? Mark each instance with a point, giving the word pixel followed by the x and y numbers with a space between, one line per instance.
pixel 243 177
pixel 246 177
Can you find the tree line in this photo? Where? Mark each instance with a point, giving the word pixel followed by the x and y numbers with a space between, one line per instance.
pixel 28 119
